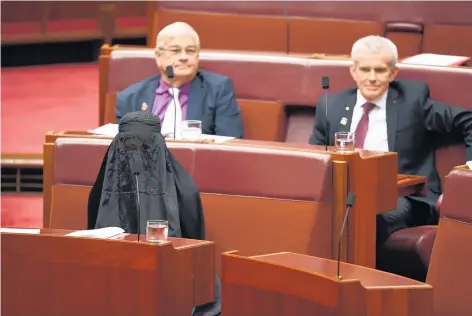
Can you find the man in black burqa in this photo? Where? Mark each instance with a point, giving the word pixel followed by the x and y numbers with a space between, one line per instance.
pixel 166 190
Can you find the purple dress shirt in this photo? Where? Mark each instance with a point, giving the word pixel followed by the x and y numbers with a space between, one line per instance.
pixel 163 98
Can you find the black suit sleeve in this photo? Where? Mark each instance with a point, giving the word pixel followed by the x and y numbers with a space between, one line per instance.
pixel 447 120
pixel 228 121
pixel 318 136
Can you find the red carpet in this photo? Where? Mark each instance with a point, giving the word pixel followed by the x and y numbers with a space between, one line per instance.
pixel 22 210
pixel 39 99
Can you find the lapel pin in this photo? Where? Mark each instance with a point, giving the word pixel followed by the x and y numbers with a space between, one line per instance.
pixel 394 101
pixel 144 107
pixel 347 108
pixel 343 121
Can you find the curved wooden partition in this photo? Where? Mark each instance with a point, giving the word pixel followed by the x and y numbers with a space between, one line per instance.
pixel 294 284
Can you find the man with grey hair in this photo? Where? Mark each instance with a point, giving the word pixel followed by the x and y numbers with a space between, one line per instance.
pixel 200 95
pixel 397 116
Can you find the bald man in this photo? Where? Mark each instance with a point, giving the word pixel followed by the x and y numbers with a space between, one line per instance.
pixel 201 95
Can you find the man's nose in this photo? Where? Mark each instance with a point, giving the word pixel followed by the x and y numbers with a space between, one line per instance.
pixel 183 55
pixel 372 76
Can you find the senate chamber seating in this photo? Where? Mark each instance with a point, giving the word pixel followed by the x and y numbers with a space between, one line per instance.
pixel 248 193
pixel 58 21
pixel 321 26
pixel 289 112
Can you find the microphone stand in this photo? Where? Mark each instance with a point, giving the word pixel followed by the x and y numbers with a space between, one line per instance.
pixel 175 107
pixel 138 205
pixel 325 86
pixel 350 203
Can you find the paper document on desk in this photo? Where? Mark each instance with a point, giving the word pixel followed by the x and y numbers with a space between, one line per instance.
pixel 217 138
pixel 109 129
pixel 112 129
pixel 20 230
pixel 436 60
pixel 469 164
pixel 104 233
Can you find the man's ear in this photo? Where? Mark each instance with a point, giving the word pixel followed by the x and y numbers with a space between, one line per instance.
pixel 157 56
pixel 394 73
pixel 352 70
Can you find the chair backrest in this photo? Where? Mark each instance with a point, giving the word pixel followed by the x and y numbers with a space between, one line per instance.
pixel 309 26
pixel 249 194
pixel 278 93
pixel 449 268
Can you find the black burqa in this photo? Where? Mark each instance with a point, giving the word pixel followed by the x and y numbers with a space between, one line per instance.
pixel 166 190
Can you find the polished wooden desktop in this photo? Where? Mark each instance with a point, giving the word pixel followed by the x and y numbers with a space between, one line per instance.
pixel 306 285
pixel 47 273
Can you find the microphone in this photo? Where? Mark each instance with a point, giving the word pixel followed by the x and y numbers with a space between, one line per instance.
pixel 170 75
pixel 351 198
pixel 325 86
pixel 138 205
pixel 287 26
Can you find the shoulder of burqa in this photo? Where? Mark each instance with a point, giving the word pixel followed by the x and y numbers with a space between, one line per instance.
pixel 138 155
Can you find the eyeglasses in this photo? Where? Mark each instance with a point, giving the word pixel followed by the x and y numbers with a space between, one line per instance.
pixel 175 51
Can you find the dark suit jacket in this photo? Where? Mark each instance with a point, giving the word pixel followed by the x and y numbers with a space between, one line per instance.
pixel 415 123
pixel 211 100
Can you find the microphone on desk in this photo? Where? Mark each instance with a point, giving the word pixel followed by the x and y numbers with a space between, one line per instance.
pixel 170 75
pixel 351 198
pixel 325 86
pixel 138 205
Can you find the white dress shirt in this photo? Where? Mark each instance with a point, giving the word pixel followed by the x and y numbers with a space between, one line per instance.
pixel 376 138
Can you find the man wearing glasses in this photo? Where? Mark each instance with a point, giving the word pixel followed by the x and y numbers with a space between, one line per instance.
pixel 201 95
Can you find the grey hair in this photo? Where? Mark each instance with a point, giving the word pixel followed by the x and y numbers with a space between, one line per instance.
pixel 374 44
pixel 176 29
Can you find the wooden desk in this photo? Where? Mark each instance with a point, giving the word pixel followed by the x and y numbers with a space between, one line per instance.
pixel 307 285
pixel 410 184
pixel 357 172
pixel 51 274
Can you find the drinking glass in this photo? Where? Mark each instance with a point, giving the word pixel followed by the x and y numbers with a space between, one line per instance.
pixel 191 129
pixel 157 230
pixel 344 141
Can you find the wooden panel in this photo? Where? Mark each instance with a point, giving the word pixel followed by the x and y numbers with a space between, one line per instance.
pixel 69 207
pixel 408 44
pixel 131 9
pixel 110 108
pixel 448 39
pixel 316 36
pixel 59 10
pixel 340 185
pixel 233 32
pixel 21 11
pixel 307 285
pixel 235 222
pixel 57 21
pixel 258 225
pixel 48 274
pixel 264 120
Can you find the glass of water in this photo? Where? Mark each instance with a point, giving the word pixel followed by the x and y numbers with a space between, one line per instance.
pixel 191 130
pixel 157 230
pixel 345 141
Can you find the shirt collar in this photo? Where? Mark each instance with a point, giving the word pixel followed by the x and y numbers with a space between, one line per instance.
pixel 164 87
pixel 381 101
